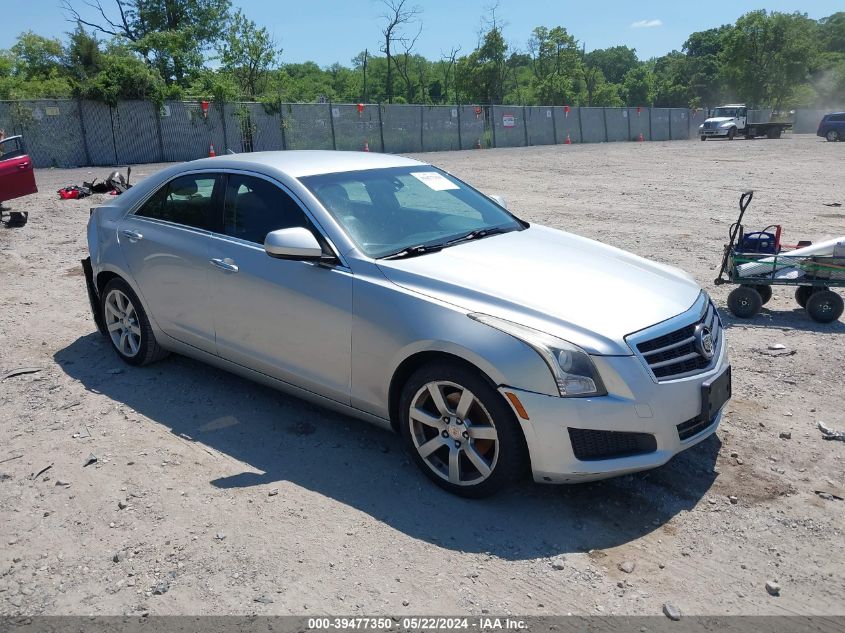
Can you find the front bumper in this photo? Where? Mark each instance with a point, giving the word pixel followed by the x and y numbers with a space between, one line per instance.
pixel 635 404
pixel 715 132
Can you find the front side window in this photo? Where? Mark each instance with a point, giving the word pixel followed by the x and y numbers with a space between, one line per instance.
pixel 11 148
pixel 186 200
pixel 254 207
pixel 387 210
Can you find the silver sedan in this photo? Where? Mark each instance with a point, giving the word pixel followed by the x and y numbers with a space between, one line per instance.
pixel 392 291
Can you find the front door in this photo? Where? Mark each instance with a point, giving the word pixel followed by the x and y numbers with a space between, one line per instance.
pixel 288 319
pixel 17 176
pixel 166 243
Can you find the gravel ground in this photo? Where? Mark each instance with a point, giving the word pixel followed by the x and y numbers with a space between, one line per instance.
pixel 212 495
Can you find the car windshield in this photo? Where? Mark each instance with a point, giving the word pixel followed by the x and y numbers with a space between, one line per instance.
pixel 730 112
pixel 387 211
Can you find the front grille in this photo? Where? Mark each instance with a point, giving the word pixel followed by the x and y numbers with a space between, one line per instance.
pixel 676 354
pixel 693 426
pixel 590 445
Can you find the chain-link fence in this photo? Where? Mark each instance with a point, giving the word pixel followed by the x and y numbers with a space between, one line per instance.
pixel 67 133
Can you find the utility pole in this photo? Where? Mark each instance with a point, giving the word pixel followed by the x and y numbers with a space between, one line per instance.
pixel 366 54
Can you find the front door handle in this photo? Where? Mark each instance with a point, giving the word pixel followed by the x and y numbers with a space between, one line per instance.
pixel 132 236
pixel 227 265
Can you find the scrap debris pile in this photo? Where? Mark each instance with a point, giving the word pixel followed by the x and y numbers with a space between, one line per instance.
pixel 115 184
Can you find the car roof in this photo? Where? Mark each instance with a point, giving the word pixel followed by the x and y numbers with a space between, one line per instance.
pixel 832 113
pixel 300 163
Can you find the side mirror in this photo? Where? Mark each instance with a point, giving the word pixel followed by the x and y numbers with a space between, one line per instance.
pixel 498 200
pixel 296 243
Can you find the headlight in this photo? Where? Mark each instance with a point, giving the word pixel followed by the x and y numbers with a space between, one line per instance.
pixel 574 372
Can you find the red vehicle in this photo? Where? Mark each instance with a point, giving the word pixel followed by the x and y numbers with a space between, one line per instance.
pixel 17 177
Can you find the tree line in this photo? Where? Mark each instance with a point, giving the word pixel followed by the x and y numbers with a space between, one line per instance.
pixel 187 49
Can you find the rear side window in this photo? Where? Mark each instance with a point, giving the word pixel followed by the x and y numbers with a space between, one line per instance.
pixel 186 200
pixel 837 117
pixel 254 207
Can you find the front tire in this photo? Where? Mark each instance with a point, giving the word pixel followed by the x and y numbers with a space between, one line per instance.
pixel 459 430
pixel 127 325
pixel 703 138
pixel 832 136
pixel 731 133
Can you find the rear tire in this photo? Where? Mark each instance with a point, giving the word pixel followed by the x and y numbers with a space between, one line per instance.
pixel 832 136
pixel 744 302
pixel 127 325
pixel 459 430
pixel 825 306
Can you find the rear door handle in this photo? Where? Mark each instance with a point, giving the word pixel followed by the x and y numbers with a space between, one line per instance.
pixel 228 266
pixel 132 236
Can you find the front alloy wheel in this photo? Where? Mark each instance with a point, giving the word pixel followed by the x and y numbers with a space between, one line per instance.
pixel 460 431
pixel 453 433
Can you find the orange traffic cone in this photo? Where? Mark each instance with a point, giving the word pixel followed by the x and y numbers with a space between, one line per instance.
pixel 211 152
pixel 366 146
pixel 568 140
pixel 641 139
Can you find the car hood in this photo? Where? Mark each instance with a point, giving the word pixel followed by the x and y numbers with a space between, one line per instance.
pixel 720 119
pixel 580 290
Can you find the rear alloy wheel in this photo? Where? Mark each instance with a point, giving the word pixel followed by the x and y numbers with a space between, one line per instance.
pixel 745 302
pixel 832 136
pixel 825 306
pixel 460 432
pixel 128 326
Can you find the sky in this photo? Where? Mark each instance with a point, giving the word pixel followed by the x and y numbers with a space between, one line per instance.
pixel 328 31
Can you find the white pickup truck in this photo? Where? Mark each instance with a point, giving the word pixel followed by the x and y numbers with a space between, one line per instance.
pixel 729 120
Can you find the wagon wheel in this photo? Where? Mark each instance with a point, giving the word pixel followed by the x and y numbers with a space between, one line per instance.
pixel 825 306
pixel 802 293
pixel 744 302
pixel 764 291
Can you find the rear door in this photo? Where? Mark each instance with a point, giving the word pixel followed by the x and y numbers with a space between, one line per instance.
pixel 166 244
pixel 17 176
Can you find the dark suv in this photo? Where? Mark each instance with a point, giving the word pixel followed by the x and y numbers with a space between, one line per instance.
pixel 832 126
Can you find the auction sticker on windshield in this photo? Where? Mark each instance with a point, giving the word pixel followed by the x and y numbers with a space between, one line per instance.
pixel 433 180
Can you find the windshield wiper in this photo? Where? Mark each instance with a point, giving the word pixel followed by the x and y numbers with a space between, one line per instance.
pixel 477 234
pixel 413 251
pixel 422 249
